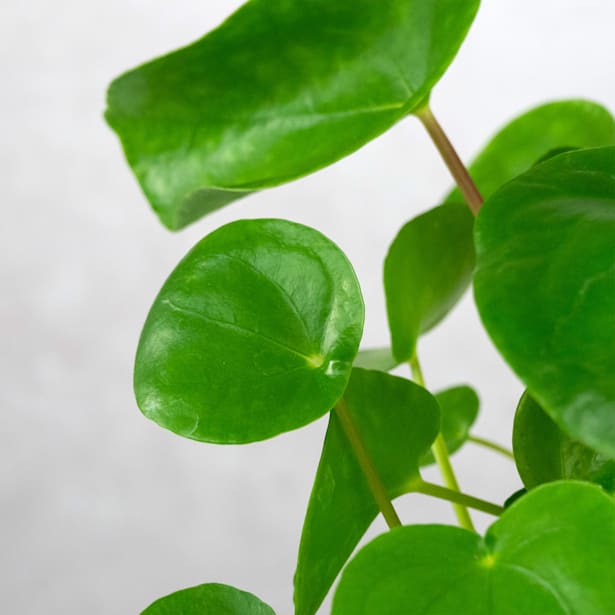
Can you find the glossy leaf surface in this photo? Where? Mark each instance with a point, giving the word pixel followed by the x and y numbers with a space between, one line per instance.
pixel 278 91
pixel 398 421
pixel 380 359
pixel 544 453
pixel 427 269
pixel 209 599
pixel 547 128
pixel 541 132
pixel 458 411
pixel 545 288
pixel 551 553
pixel 253 334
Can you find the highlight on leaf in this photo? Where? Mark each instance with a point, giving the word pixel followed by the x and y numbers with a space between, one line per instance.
pixel 278 91
pixel 253 334
pixel 545 288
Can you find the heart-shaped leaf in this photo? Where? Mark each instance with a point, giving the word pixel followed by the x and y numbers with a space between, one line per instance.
pixel 209 599
pixel 278 91
pixel 555 126
pixel 398 421
pixel 253 334
pixel 545 287
pixel 380 359
pixel 551 553
pixel 428 268
pixel 458 411
pixel 544 453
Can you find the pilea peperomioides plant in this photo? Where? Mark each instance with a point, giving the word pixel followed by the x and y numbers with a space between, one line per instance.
pixel 257 330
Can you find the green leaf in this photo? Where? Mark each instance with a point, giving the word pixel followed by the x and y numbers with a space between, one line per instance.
pixel 427 270
pixel 398 421
pixel 279 90
pixel 209 599
pixel 252 335
pixel 458 411
pixel 544 453
pixel 545 288
pixel 380 359
pixel 513 497
pixel 555 126
pixel 551 553
pixel 555 152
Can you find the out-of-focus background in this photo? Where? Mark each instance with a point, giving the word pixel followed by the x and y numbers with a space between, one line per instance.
pixel 102 511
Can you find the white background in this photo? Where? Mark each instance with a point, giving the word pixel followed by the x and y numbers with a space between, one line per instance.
pixel 102 511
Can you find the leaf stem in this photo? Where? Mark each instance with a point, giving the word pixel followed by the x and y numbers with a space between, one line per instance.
pixel 367 465
pixel 492 445
pixel 466 185
pixel 457 497
pixel 440 452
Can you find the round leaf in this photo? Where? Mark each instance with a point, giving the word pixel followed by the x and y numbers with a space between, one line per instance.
pixel 209 599
pixel 557 125
pixel 397 421
pixel 544 453
pixel 279 90
pixel 545 287
pixel 458 411
pixel 252 335
pixel 428 268
pixel 551 553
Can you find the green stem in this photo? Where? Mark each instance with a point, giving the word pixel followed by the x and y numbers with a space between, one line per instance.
pixel 466 185
pixel 459 498
pixel 440 452
pixel 367 465
pixel 492 445
pixel 416 370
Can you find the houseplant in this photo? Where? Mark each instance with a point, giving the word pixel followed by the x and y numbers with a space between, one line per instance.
pixel 257 330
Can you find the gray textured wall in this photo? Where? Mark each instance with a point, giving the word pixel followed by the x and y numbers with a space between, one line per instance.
pixel 101 510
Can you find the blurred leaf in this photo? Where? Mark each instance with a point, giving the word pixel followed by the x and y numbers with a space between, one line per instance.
pixel 279 90
pixel 544 453
pixel 545 288
pixel 551 553
pixel 458 411
pixel 253 334
pixel 380 359
pixel 427 270
pixel 209 599
pixel 555 152
pixel 557 125
pixel 398 421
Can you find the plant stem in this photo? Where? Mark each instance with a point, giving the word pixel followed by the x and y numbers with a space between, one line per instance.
pixel 440 452
pixel 460 498
pixel 492 445
pixel 367 465
pixel 466 185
